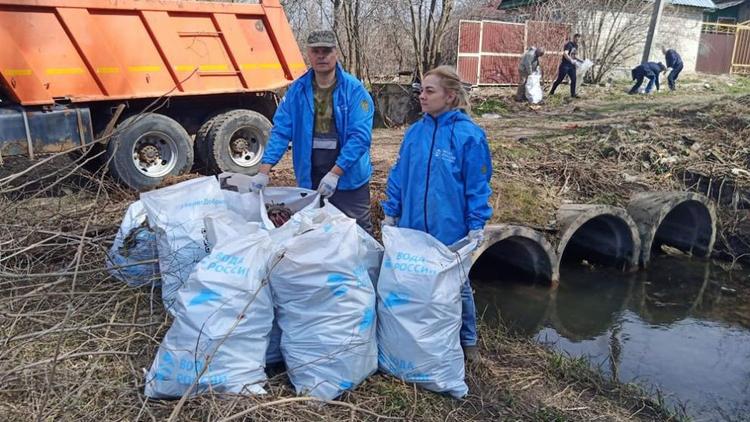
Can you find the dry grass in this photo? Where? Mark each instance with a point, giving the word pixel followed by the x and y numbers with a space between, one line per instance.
pixel 75 342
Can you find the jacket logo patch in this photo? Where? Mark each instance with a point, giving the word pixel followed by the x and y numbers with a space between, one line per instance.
pixel 365 106
pixel 445 155
pixel 484 169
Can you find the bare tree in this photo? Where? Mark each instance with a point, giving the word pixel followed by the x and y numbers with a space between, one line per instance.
pixel 347 24
pixel 612 29
pixel 428 20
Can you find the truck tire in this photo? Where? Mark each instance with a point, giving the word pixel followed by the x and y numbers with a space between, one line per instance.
pixel 236 141
pixel 200 145
pixel 146 148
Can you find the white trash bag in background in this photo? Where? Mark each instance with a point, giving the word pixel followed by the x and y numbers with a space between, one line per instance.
pixel 325 303
pixel 419 310
pixel 176 213
pixel 534 93
pixel 581 69
pixel 223 318
pixel 134 244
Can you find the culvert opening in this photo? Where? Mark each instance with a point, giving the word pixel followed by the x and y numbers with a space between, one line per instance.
pixel 514 259
pixel 688 227
pixel 604 240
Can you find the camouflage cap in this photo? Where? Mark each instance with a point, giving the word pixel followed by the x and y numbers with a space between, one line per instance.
pixel 321 39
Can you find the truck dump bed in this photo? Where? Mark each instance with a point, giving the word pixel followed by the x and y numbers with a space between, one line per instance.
pixel 97 50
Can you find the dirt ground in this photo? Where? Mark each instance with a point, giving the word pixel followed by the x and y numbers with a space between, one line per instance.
pixel 75 343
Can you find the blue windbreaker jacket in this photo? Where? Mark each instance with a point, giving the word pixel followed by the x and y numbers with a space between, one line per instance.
pixel 295 121
pixel 440 183
pixel 673 59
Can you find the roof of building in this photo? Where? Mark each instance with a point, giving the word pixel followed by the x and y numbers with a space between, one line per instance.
pixel 727 4
pixel 704 4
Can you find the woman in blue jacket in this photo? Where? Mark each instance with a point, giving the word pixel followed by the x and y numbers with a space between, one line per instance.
pixel 441 181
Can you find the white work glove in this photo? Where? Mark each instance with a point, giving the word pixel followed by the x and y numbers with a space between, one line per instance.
pixel 258 182
pixel 477 235
pixel 327 186
pixel 389 221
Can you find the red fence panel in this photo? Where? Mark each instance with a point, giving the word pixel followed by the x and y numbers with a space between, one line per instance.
pixel 502 45
pixel 503 38
pixel 468 41
pixel 499 70
pixel 467 69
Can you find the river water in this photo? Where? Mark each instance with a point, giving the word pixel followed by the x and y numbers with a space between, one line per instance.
pixel 679 327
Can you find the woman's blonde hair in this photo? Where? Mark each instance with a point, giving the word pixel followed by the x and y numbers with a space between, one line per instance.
pixel 450 81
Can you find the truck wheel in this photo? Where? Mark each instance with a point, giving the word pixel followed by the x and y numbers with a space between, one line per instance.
pixel 236 141
pixel 200 144
pixel 146 148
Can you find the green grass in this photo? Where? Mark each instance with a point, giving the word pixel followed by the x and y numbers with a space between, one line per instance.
pixel 740 86
pixel 521 203
pixel 490 105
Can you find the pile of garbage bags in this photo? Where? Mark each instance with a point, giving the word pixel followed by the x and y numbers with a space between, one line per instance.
pixel 312 290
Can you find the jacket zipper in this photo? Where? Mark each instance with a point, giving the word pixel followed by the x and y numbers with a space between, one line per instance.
pixel 429 167
pixel 312 136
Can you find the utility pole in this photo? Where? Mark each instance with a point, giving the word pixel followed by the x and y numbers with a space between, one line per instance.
pixel 655 18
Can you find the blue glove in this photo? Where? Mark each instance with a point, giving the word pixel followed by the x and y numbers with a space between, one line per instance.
pixel 327 186
pixel 477 235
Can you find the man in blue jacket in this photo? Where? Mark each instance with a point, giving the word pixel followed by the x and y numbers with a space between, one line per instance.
pixel 650 70
pixel 674 62
pixel 327 115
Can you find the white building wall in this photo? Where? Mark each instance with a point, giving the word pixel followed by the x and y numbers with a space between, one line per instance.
pixel 679 28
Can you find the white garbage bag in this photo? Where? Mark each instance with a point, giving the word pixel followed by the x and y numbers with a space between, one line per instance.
pixel 230 226
pixel 325 303
pixel 176 213
pixel 581 69
pixel 226 226
pixel 534 93
pixel 223 318
pixel 245 204
pixel 273 354
pixel 236 182
pixel 296 199
pixel 371 251
pixel 252 205
pixel 134 245
pixel 419 310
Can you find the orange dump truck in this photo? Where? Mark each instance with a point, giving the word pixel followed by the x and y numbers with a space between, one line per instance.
pixel 163 82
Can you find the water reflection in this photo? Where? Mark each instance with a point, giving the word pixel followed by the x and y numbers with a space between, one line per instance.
pixel 669 327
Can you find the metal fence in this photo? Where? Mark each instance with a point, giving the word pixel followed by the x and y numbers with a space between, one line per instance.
pixel 489 51
pixel 724 48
